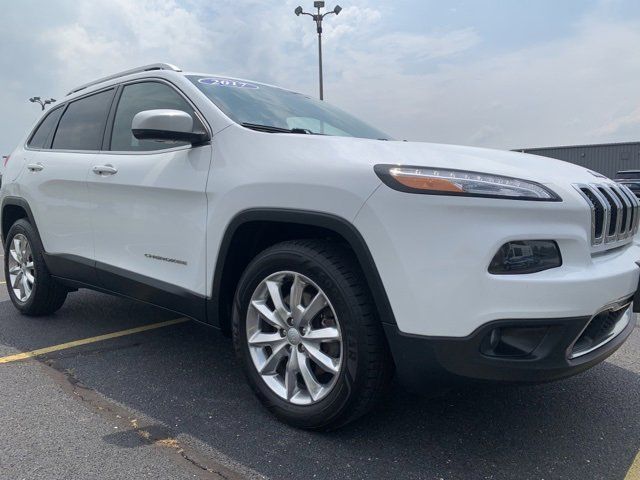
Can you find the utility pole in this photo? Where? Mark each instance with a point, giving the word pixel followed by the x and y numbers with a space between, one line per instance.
pixel 318 18
pixel 42 102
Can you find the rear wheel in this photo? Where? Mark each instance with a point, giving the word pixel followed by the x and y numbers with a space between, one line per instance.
pixel 31 288
pixel 307 334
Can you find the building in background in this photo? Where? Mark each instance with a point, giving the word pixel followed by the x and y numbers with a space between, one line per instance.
pixel 607 159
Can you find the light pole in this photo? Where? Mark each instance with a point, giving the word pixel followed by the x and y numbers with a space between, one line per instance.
pixel 318 19
pixel 43 103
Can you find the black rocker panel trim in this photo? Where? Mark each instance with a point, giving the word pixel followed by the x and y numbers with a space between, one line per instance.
pixel 72 267
pixel 152 291
pixel 80 272
pixel 338 225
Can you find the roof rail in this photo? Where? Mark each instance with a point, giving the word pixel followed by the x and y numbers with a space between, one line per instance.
pixel 144 68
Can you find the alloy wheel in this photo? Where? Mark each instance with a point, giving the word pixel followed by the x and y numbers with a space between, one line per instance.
pixel 22 276
pixel 294 338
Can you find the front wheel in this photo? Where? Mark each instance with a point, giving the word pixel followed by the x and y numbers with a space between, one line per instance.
pixel 307 334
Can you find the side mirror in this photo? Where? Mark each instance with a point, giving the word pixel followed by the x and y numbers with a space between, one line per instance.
pixel 166 126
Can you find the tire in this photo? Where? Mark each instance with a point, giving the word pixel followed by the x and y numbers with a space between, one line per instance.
pixel 362 353
pixel 46 295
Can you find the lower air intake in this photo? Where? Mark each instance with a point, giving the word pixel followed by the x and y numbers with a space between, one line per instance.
pixel 602 328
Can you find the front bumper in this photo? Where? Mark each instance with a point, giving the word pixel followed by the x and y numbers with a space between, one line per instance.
pixel 558 353
pixel 433 254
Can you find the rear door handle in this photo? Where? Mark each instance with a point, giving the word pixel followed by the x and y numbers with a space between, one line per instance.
pixel 35 167
pixel 105 170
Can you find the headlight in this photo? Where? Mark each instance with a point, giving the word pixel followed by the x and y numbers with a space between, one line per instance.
pixel 437 181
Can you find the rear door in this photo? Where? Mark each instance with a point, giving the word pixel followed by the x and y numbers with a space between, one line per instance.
pixel 58 158
pixel 150 230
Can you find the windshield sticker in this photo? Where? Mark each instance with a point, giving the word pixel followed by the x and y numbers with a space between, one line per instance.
pixel 225 82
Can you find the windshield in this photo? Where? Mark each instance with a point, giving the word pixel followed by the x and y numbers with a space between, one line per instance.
pixel 255 105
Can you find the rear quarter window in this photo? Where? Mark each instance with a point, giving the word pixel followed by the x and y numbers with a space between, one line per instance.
pixel 41 137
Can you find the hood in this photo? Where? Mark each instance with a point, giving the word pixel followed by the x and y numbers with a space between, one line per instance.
pixel 352 155
pixel 543 170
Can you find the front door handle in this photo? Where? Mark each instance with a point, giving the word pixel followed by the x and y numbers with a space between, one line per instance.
pixel 35 167
pixel 105 170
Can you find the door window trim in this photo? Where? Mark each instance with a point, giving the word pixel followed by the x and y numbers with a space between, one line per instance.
pixel 65 105
pixel 106 138
pixel 106 141
pixel 54 128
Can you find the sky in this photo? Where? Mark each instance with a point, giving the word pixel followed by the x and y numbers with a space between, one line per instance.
pixel 493 73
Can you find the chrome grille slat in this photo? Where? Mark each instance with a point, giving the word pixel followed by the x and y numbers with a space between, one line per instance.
pixel 615 213
pixel 632 210
pixel 606 221
pixel 636 207
pixel 626 216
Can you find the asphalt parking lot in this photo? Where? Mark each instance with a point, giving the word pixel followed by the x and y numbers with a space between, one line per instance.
pixel 171 403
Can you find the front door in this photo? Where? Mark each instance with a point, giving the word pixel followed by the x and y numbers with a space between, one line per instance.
pixel 150 224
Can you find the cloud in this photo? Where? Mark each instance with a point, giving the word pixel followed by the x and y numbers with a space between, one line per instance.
pixel 352 20
pixel 622 124
pixel 412 48
pixel 582 88
pixel 445 85
pixel 116 35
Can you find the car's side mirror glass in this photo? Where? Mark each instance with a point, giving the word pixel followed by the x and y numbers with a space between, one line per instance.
pixel 166 126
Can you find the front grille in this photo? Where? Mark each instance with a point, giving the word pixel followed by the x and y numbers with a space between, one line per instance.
pixel 614 213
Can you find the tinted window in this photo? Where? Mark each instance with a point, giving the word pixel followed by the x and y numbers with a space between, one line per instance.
pixel 82 125
pixel 631 175
pixel 42 135
pixel 258 104
pixel 137 98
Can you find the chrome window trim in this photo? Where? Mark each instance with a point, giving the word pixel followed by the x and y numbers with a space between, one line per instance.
pixel 141 69
pixel 64 105
pixel 109 152
pixel 199 115
pixel 46 115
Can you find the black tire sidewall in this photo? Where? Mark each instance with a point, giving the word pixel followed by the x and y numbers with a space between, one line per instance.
pixel 337 401
pixel 25 228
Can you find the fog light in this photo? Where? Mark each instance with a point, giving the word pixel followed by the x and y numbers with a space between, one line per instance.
pixel 526 256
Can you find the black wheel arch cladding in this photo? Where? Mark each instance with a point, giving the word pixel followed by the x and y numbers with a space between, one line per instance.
pixel 216 313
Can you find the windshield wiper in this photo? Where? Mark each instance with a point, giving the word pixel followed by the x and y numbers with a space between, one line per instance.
pixel 272 129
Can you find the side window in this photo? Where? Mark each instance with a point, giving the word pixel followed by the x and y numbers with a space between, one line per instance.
pixel 139 97
pixel 82 125
pixel 42 134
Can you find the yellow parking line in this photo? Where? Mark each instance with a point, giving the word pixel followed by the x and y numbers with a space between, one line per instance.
pixel 3 283
pixel 634 471
pixel 85 341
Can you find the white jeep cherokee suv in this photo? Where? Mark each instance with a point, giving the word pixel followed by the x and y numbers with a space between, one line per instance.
pixel 332 253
